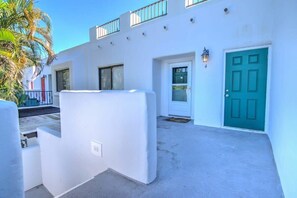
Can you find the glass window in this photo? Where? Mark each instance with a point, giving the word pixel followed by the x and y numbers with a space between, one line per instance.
pixel 111 78
pixel 180 75
pixel 105 78
pixel 179 84
pixel 179 93
pixel 62 78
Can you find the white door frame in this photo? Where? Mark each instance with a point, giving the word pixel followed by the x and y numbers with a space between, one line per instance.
pixel 268 85
pixel 189 88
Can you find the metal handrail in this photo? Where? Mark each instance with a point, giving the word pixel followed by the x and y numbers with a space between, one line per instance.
pixel 35 98
pixel 190 3
pixel 108 28
pixel 149 12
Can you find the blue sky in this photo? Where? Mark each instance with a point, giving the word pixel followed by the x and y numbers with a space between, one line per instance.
pixel 71 20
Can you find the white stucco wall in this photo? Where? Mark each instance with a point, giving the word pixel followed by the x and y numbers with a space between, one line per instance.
pixel 246 25
pixel 124 122
pixel 76 60
pixel 218 32
pixel 11 172
pixel 31 167
pixel 283 113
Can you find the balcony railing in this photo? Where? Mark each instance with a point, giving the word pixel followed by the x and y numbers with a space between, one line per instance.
pixel 193 2
pixel 149 12
pixel 108 28
pixel 35 98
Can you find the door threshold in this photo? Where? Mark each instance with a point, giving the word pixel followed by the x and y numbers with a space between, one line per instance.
pixel 178 116
pixel 244 130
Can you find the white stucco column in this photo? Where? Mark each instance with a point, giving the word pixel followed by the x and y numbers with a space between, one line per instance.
pixel 11 171
pixel 125 22
pixel 93 34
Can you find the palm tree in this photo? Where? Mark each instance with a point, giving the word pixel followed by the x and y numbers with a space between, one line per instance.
pixel 25 38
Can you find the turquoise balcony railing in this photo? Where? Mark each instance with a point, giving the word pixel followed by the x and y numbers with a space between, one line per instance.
pixel 108 28
pixel 193 2
pixel 149 12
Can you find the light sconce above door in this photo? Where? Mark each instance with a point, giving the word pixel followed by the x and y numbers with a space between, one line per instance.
pixel 205 56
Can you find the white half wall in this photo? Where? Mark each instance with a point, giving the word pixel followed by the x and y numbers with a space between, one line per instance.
pixel 283 113
pixel 11 172
pixel 31 167
pixel 123 122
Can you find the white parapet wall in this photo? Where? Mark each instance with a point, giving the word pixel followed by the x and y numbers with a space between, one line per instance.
pixel 11 172
pixel 31 167
pixel 122 123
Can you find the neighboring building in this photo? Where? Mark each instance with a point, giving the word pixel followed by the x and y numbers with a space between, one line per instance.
pixel 248 81
pixel 43 81
pixel 38 88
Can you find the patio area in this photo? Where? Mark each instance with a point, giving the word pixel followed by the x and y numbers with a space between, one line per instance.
pixel 30 124
pixel 195 161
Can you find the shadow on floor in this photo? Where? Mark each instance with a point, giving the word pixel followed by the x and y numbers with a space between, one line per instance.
pixel 37 111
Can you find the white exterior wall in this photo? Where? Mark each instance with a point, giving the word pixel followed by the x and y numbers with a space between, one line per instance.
pixel 31 167
pixel 124 122
pixel 212 28
pixel 76 60
pixel 283 113
pixel 11 173
pixel 249 24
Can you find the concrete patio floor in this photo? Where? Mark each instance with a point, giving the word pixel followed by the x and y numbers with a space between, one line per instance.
pixel 30 124
pixel 195 161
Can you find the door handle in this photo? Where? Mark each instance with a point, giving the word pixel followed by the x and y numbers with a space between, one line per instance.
pixel 188 90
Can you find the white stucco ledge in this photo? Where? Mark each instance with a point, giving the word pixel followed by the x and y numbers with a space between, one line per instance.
pixel 122 123
pixel 49 131
pixel 11 172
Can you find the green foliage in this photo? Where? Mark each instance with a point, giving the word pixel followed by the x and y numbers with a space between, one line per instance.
pixel 11 92
pixel 25 37
pixel 7 36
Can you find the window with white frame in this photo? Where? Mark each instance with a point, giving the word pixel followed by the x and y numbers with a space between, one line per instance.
pixel 111 78
pixel 62 80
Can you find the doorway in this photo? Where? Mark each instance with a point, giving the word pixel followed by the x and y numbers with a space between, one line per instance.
pixel 245 89
pixel 180 89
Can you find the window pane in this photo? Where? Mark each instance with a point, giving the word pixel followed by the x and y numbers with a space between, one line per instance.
pixel 179 75
pixel 66 82
pixel 62 79
pixel 118 77
pixel 59 81
pixel 105 79
pixel 179 93
pixel 50 82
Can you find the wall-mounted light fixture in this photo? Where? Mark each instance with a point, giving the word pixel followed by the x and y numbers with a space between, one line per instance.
pixel 99 46
pixel 143 34
pixel 192 20
pixel 111 43
pixel 165 27
pixel 128 38
pixel 226 10
pixel 205 56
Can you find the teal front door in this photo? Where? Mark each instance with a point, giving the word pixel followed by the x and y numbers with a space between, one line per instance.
pixel 245 89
